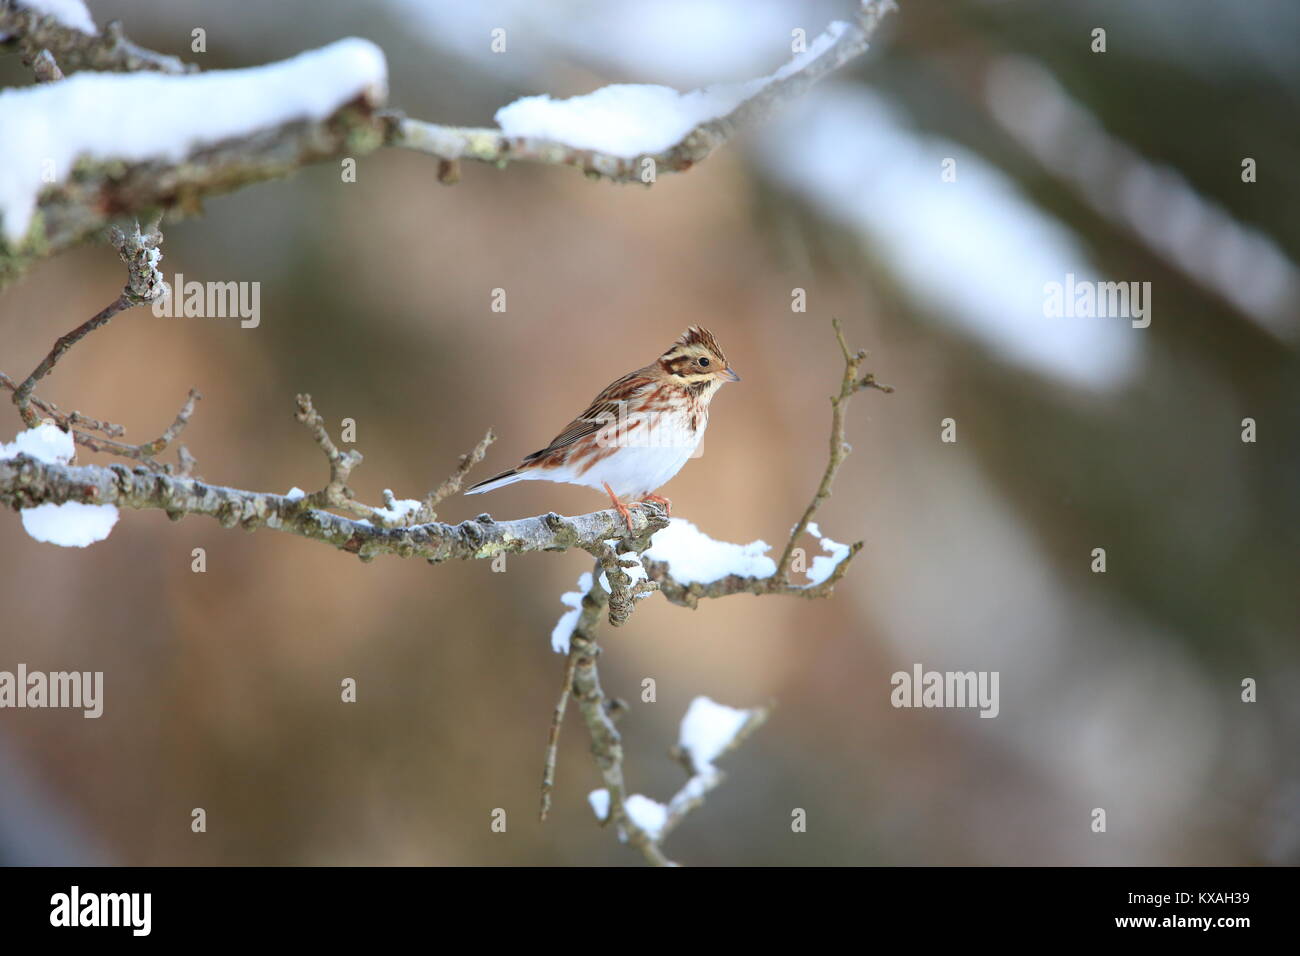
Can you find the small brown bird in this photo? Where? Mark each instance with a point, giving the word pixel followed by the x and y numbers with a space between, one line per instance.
pixel 638 432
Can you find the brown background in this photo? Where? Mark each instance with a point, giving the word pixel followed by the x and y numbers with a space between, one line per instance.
pixel 1118 691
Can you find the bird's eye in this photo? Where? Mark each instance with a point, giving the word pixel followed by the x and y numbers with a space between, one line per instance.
pixel 704 363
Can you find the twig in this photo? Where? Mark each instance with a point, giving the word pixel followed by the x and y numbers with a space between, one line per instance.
pixel 452 483
pixel 144 284
pixel 31 31
pixel 22 395
pixel 606 742
pixel 614 560
pixel 553 738
pixel 839 448
pixel 45 68
pixel 336 493
pixel 139 250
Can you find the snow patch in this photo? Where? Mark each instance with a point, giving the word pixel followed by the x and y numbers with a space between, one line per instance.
pixel 694 557
pixel 636 573
pixel 707 730
pixel 150 116
pixel 47 443
pixel 70 13
pixel 71 524
pixel 396 512
pixel 564 627
pixel 824 565
pixel 631 119
pixel 649 815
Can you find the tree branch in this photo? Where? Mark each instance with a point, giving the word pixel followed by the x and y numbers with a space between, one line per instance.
pixel 451 143
pixel 31 32
pixel 451 485
pixel 144 284
pixel 104 187
pixel 25 483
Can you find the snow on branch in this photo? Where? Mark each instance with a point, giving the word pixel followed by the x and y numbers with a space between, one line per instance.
pixel 632 132
pixel 146 141
pixel 164 137
pixel 65 30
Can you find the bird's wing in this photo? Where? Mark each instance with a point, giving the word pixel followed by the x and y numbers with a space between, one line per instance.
pixel 603 410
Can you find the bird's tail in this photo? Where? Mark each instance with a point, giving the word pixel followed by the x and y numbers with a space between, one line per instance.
pixel 496 481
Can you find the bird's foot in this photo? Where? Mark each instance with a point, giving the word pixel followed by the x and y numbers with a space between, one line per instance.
pixel 618 505
pixel 660 499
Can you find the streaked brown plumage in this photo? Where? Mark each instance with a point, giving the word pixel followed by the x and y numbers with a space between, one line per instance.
pixel 639 431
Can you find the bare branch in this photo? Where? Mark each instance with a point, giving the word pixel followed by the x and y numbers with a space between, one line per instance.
pixel 839 448
pixel 144 284
pixel 606 742
pixel 451 485
pixel 553 738
pixel 336 493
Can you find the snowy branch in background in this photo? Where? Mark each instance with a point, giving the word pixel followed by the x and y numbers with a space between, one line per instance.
pixel 64 30
pixel 1154 202
pixel 81 151
pixel 632 132
pixel 84 150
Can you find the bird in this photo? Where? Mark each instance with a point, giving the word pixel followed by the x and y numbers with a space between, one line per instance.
pixel 638 432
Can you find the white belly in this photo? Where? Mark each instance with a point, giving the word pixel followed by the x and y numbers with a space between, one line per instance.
pixel 646 459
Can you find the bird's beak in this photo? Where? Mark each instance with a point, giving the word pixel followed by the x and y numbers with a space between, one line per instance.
pixel 731 375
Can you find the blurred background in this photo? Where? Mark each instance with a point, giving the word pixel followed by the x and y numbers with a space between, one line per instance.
pixel 1119 690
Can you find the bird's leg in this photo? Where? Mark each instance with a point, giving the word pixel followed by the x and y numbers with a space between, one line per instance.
pixel 618 505
pixel 660 499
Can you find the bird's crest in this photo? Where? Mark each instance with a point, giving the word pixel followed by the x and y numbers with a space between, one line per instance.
pixel 703 337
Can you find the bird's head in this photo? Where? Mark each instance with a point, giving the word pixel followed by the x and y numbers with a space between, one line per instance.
pixel 697 359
